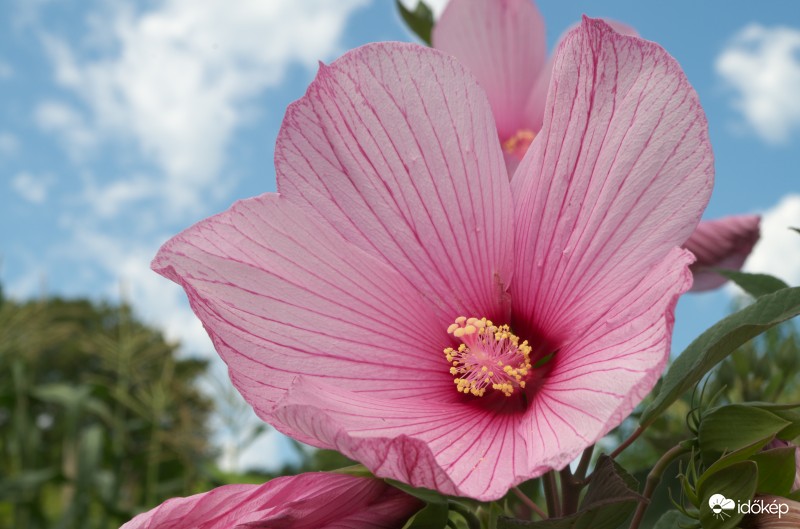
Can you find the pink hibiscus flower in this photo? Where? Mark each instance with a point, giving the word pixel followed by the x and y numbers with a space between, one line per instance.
pixel 721 243
pixel 350 305
pixel 503 43
pixel 315 500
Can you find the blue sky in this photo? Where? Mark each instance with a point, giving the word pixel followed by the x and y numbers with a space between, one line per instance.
pixel 122 123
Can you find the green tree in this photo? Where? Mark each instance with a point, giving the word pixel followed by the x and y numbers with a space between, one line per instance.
pixel 99 418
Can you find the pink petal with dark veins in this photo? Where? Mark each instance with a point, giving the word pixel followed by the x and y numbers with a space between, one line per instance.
pixel 315 500
pixel 282 295
pixel 394 146
pixel 619 176
pixel 502 42
pixel 721 243
pixel 533 110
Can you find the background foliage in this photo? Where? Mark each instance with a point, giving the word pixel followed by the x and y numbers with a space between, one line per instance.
pixel 98 416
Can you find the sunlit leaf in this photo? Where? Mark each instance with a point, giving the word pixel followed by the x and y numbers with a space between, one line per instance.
pixel 756 285
pixel 736 426
pixel 787 412
pixel 426 495
pixel 355 470
pixel 732 458
pixel 718 342
pixel 420 20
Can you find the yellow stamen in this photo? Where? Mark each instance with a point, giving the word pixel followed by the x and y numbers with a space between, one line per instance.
pixel 486 346
pixel 518 143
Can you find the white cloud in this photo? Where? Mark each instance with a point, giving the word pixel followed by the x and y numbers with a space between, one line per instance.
pixel 31 282
pixel 6 71
pixel 31 187
pixel 181 75
pixel 9 144
pixel 26 12
pixel 437 6
pixel 778 251
pixel 762 65
pixel 108 201
pixel 156 300
pixel 68 124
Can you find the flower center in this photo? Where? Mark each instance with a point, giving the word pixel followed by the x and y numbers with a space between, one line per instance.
pixel 518 144
pixel 488 357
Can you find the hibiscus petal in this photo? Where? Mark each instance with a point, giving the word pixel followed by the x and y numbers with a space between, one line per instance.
pixel 597 379
pixel 282 295
pixel 721 243
pixel 315 500
pixel 503 43
pixel 453 447
pixel 533 110
pixel 619 175
pixel 395 146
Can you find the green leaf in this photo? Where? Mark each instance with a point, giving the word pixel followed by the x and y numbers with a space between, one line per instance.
pixel 718 342
pixel 743 454
pixel 736 483
pixel 793 430
pixel 66 395
pixel 787 412
pixel 426 495
pixel 495 512
pixel 90 451
pixel 14 488
pixel 355 470
pixel 672 520
pixel 794 229
pixel 735 426
pixel 773 406
pixel 610 500
pixel 756 285
pixel 688 490
pixel 432 516
pixel 420 21
pixel 776 470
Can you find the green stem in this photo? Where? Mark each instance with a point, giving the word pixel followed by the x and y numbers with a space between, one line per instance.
pixel 466 513
pixel 529 503
pixel 570 491
pixel 551 494
pixel 573 484
pixel 19 443
pixel 653 479
pixel 583 464
pixel 627 442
